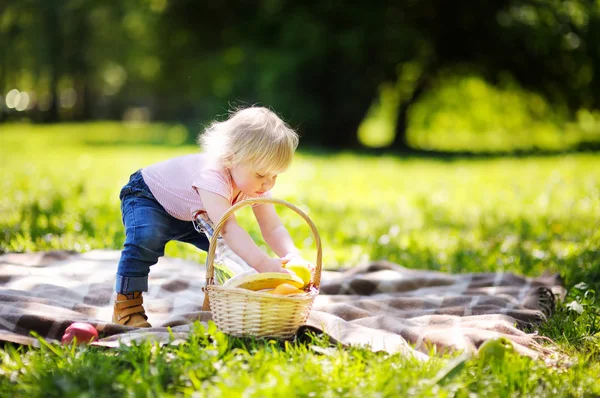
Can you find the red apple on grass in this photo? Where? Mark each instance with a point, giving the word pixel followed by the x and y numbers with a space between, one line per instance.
pixel 83 333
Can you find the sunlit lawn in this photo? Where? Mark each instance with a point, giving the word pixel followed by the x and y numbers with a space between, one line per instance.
pixel 60 188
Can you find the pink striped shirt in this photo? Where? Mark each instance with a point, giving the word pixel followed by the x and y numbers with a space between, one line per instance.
pixel 175 183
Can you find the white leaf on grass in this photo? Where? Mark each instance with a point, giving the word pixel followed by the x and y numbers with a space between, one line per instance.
pixel 575 306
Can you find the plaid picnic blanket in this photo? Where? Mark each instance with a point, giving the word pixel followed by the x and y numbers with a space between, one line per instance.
pixel 381 305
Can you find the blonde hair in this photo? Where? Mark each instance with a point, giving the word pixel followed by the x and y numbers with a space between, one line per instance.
pixel 253 135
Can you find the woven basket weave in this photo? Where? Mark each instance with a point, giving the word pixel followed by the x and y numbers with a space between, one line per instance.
pixel 242 312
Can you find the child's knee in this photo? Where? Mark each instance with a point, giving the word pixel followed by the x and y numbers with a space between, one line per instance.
pixel 144 242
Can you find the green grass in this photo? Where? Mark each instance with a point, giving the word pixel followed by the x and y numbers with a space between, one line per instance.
pixel 60 189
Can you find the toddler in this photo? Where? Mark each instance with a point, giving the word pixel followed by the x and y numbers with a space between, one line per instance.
pixel 241 158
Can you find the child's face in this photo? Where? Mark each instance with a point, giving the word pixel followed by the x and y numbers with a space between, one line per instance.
pixel 250 181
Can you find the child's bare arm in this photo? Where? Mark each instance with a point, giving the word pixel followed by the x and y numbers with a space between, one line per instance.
pixel 277 236
pixel 273 231
pixel 236 237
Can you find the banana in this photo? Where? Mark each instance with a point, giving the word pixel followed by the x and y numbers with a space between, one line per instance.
pixel 266 280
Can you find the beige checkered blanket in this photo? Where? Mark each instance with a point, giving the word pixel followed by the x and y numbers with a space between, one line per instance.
pixel 381 305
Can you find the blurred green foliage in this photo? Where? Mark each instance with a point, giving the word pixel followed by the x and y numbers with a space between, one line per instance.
pixel 468 114
pixel 323 66
pixel 465 113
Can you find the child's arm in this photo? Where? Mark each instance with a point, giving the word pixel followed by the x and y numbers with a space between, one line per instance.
pixel 273 231
pixel 236 237
pixel 276 235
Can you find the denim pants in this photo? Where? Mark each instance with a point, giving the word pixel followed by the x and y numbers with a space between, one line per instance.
pixel 148 228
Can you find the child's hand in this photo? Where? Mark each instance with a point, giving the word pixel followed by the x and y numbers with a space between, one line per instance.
pixel 298 260
pixel 272 265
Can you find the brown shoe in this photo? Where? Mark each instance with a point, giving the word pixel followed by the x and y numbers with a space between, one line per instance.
pixel 129 311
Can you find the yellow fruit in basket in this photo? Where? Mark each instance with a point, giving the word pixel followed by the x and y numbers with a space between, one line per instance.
pixel 286 288
pixel 299 269
pixel 266 280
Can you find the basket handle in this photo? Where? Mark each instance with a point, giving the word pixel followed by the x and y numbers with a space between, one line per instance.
pixel 210 280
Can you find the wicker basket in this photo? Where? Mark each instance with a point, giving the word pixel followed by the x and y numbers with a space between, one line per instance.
pixel 242 312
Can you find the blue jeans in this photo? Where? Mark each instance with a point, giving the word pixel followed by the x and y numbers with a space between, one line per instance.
pixel 148 228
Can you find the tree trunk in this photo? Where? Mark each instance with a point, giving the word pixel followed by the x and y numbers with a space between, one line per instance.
pixel 79 65
pixel 86 98
pixel 52 30
pixel 400 143
pixel 5 38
